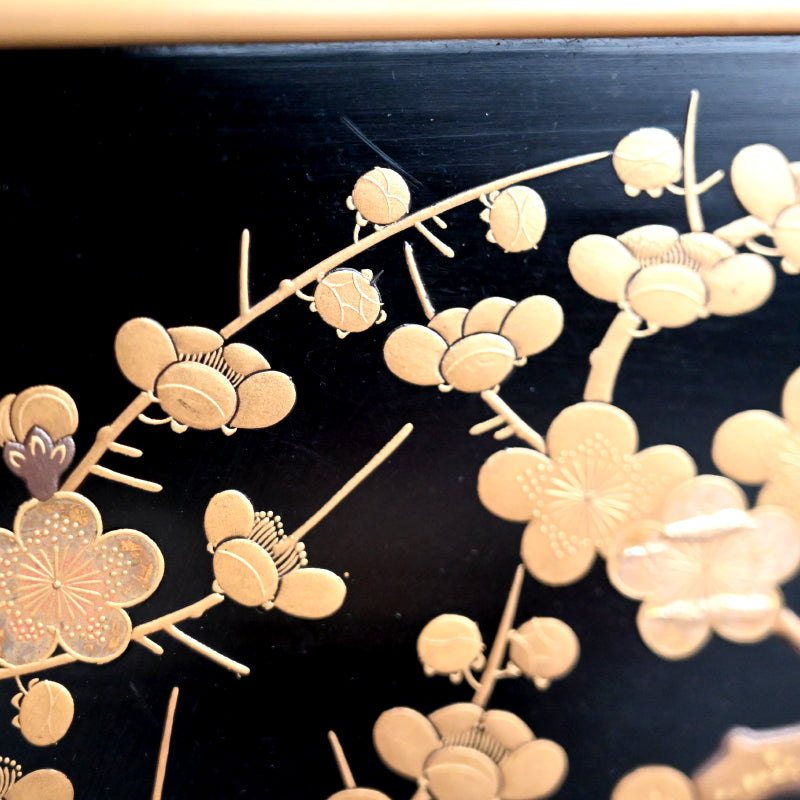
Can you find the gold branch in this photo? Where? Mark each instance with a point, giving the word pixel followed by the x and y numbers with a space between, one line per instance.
pixel 106 436
pixel 288 287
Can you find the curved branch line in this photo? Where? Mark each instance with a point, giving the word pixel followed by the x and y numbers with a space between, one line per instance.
pixel 289 286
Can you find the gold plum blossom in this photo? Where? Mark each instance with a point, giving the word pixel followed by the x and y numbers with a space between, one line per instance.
pixel 707 565
pixel 200 381
pixel 463 752
pixel 64 582
pixel 577 499
pixel 474 350
pixel 669 279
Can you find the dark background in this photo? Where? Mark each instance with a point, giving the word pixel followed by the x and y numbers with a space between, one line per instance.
pixel 126 177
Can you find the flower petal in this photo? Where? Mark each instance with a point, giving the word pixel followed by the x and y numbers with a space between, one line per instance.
pixel 747 444
pixel 265 398
pixel 456 718
pixel 245 572
pixel 775 542
pixel 42 784
pixel 783 492
pixel 478 362
pixel 763 181
pixel 705 248
pixel 229 514
pixel 460 772
pixel 404 739
pixel 96 638
pixel 6 432
pixel 449 324
pixel 413 353
pixel 196 395
pixel 553 560
pixel 47 407
pixel 33 515
pixel 244 359
pixel 194 340
pixel 504 482
pixel 654 781
pixel 507 728
pixel 143 349
pixel 134 561
pixel 649 241
pixel 667 295
pixel 790 400
pixel 786 234
pixel 746 618
pixel 667 466
pixel 739 284
pixel 534 770
pixel 310 593
pixel 672 637
pixel 602 266
pixel 583 422
pixel 487 316
pixel 362 793
pixel 16 650
pixel 634 563
pixel 534 324
pixel 703 495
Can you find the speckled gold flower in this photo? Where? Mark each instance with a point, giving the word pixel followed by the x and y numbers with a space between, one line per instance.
pixel 757 447
pixel 463 752
pixel 592 485
pixel 707 565
pixel 64 582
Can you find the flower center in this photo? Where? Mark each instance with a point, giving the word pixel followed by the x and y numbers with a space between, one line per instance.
pixel 57 584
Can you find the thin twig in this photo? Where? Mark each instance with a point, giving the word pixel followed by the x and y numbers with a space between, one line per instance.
pixel 515 422
pixel 163 752
pixel 416 279
pixel 288 287
pixel 368 468
pixel 693 211
pixel 344 768
pixel 244 273
pixel 205 650
pixel 492 671
pixel 106 436
pixel 128 480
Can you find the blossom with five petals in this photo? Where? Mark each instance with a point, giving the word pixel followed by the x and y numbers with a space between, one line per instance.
pixel 669 279
pixel 64 582
pixel 577 499
pixel 463 752
pixel 708 565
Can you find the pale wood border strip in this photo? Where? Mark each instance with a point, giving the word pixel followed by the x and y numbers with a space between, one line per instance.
pixel 36 23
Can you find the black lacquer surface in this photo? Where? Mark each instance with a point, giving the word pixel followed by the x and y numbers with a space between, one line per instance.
pixel 126 178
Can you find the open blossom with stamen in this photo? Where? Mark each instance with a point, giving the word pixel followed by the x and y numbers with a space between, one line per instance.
pixel 577 499
pixel 464 752
pixel 200 381
pixel 668 279
pixel 64 582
